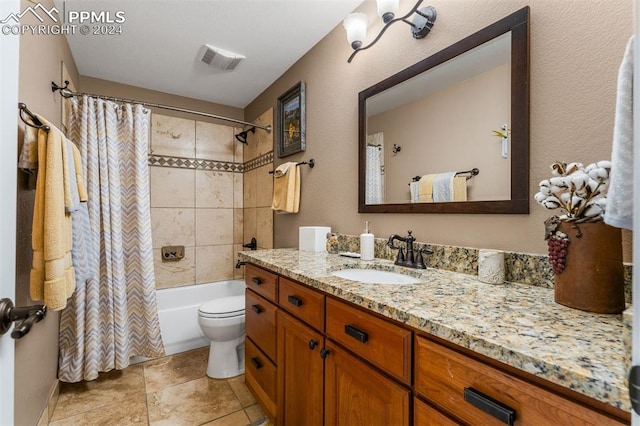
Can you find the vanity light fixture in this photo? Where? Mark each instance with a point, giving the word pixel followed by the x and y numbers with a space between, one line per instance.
pixel 356 23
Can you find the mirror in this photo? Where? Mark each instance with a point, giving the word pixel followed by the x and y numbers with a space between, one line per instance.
pixel 431 136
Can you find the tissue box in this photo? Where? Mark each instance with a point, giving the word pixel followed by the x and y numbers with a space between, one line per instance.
pixel 313 238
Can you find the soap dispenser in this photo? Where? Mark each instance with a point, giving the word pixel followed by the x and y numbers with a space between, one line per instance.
pixel 366 244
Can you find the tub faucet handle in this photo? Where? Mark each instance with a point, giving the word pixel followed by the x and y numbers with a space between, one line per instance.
pixel 253 245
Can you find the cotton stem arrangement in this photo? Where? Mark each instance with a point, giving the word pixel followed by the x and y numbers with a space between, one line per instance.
pixel 582 193
pixel 577 190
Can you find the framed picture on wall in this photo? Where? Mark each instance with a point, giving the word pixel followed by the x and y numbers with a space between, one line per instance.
pixel 291 121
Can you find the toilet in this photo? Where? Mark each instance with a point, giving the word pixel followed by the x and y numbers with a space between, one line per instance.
pixel 222 322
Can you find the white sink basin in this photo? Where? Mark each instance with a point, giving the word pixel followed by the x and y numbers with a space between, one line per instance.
pixel 373 276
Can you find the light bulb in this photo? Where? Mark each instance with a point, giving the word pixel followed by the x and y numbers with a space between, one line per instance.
pixel 387 9
pixel 356 26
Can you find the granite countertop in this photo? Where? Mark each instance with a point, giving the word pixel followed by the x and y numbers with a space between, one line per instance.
pixel 517 324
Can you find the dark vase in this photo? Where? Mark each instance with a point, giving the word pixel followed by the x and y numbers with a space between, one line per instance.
pixel 593 278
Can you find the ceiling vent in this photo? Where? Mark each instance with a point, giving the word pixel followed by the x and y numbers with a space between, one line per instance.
pixel 219 58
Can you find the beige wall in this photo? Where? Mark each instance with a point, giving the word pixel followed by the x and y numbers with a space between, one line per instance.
pixel 434 139
pixel 36 362
pixel 576 49
pixel 197 201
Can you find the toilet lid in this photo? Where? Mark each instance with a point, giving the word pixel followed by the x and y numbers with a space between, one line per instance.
pixel 224 307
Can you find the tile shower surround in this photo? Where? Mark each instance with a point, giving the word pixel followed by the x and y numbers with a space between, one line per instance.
pixel 207 192
pixel 196 199
pixel 523 268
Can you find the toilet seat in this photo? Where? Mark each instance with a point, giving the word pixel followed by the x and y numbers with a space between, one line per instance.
pixel 225 307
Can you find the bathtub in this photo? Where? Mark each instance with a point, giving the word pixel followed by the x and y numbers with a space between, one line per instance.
pixel 178 312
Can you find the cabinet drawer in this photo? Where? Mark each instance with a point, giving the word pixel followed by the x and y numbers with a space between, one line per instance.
pixel 426 415
pixel 263 282
pixel 303 302
pixel 260 377
pixel 260 323
pixel 442 375
pixel 382 343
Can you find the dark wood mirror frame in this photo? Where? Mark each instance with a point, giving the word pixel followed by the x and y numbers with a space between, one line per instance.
pixel 518 24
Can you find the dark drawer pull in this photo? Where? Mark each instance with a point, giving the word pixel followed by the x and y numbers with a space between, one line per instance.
pixel 356 334
pixel 256 280
pixel 257 309
pixel 256 363
pixel 294 301
pixel 490 406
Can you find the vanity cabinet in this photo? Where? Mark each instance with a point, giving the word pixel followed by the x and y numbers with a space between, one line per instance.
pixel 468 389
pixel 307 378
pixel 314 359
pixel 319 381
pixel 261 336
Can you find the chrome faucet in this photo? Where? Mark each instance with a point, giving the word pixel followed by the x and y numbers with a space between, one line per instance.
pixel 411 260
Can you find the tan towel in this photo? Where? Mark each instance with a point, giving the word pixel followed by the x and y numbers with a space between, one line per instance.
pixel 52 275
pixel 286 188
pixel 28 160
pixel 459 185
pixel 425 188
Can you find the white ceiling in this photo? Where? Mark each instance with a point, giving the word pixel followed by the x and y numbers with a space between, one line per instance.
pixel 160 41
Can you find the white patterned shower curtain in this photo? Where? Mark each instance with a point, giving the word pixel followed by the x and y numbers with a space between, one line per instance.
pixel 374 172
pixel 113 316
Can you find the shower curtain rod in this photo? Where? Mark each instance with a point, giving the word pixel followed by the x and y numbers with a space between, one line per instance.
pixel 65 92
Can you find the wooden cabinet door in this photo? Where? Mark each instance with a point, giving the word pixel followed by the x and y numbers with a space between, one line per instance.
pixel 425 415
pixel 357 395
pixel 300 373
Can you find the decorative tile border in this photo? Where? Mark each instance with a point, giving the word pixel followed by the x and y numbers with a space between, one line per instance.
pixel 259 161
pixel 523 268
pixel 194 163
pixel 198 164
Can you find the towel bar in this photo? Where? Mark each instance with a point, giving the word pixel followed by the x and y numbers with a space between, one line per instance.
pixel 473 172
pixel 35 122
pixel 311 164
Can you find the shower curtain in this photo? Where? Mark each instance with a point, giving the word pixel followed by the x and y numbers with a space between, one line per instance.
pixel 113 315
pixel 374 170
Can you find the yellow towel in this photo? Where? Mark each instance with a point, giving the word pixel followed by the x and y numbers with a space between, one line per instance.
pixel 459 186
pixel 425 188
pixel 286 188
pixel 52 276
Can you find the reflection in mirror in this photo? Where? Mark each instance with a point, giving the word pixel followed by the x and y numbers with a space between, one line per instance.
pixel 464 108
pixel 416 114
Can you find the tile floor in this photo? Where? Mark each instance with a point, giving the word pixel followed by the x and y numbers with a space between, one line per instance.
pixel 173 390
